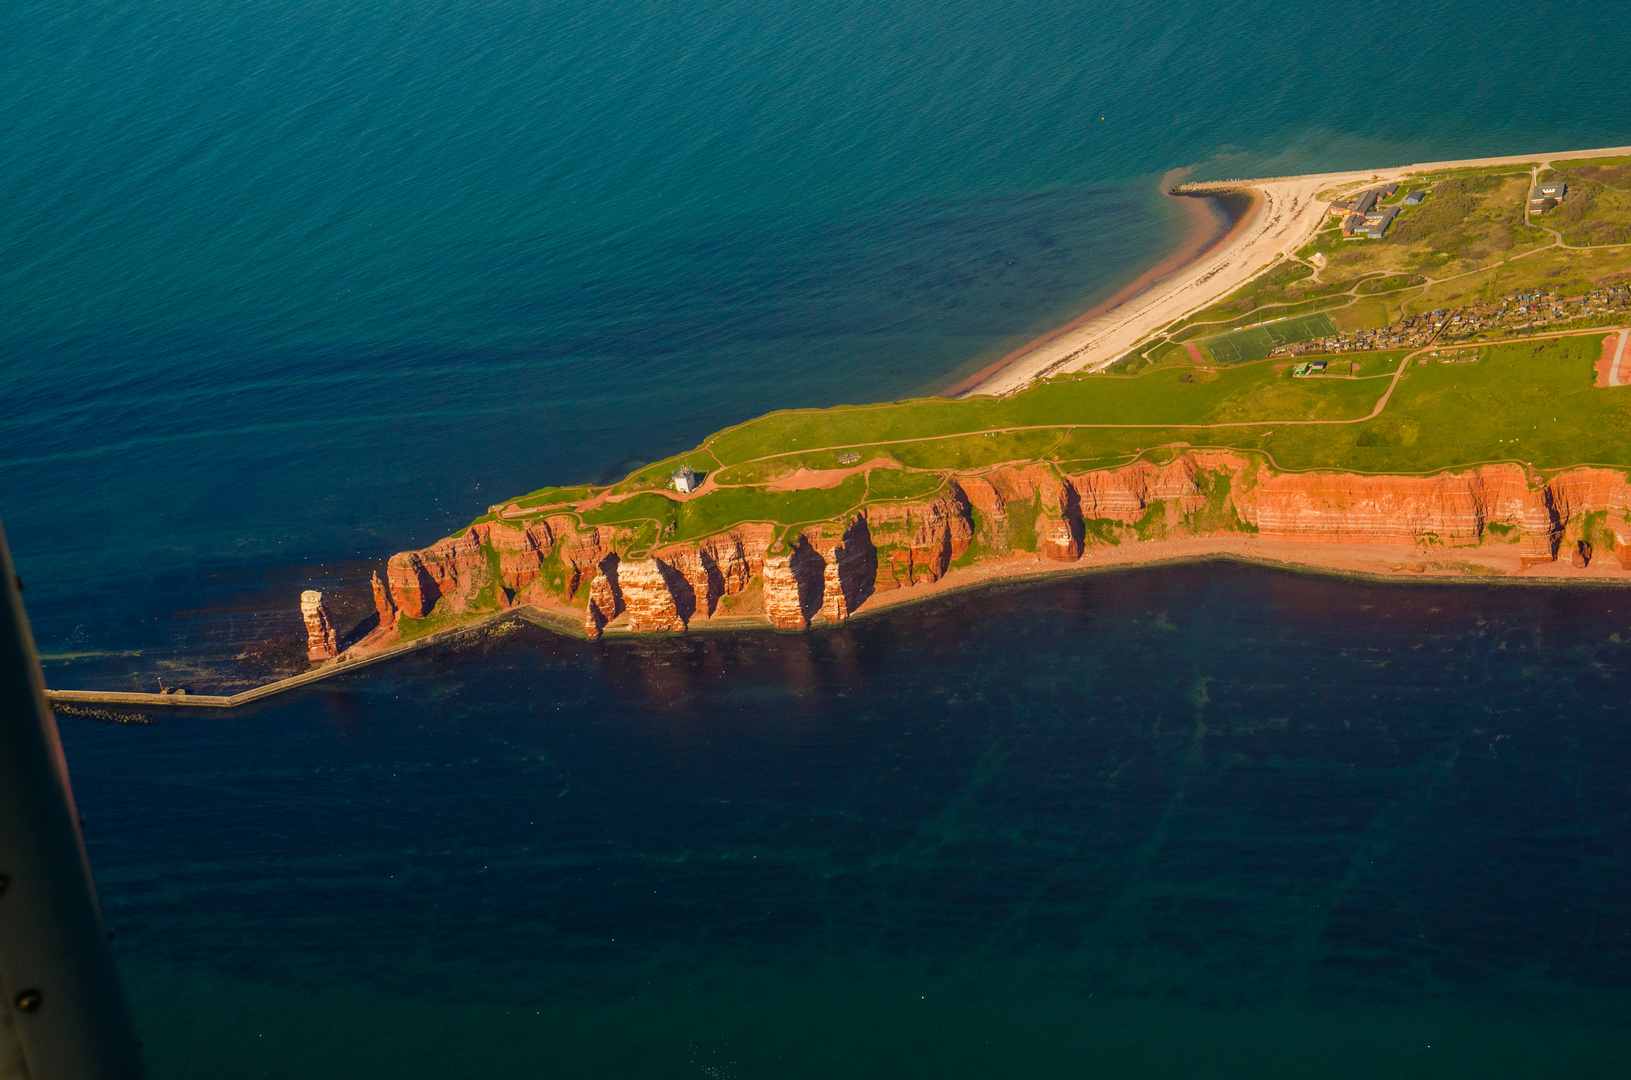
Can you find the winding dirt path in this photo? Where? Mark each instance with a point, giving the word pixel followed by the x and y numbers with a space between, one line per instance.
pixel 808 479
pixel 1289 214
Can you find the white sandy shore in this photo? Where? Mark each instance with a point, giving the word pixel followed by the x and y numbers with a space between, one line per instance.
pixel 1287 215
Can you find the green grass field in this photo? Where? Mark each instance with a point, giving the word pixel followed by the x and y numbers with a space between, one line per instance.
pixel 1256 342
pixel 1531 402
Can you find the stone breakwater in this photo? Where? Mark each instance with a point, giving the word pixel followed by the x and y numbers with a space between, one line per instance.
pixel 614 577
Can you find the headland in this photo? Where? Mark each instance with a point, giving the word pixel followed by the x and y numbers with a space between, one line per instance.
pixel 1402 373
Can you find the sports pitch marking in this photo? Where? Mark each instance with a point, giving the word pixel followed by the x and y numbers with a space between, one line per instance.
pixel 1256 342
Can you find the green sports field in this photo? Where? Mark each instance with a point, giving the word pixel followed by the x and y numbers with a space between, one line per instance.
pixel 1255 342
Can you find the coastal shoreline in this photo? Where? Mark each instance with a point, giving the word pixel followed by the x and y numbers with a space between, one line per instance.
pixel 1209 224
pixel 1290 213
pixel 1390 563
pixel 495 569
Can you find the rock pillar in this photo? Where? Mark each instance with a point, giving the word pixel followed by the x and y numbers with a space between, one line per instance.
pixel 322 643
pixel 793 586
pixel 647 597
pixel 605 597
pixel 851 572
pixel 382 603
pixel 1057 539
pixel 782 605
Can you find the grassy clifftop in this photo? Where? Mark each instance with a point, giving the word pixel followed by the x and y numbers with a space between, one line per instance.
pixel 1474 246
pixel 1531 402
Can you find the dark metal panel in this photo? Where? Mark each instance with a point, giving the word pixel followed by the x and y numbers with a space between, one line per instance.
pixel 60 994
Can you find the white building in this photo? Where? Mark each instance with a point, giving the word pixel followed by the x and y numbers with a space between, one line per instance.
pixel 685 481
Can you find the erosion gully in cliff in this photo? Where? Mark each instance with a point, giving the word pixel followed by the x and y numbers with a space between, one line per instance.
pixel 1010 516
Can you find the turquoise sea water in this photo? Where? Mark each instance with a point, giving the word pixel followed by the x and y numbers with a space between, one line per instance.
pixel 287 286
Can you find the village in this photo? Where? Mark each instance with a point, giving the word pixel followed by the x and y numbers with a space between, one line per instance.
pixel 1510 315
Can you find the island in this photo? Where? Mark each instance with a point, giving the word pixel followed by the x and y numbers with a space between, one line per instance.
pixel 1419 371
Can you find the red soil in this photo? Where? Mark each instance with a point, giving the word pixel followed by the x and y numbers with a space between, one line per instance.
pixel 811 479
pixel 1605 363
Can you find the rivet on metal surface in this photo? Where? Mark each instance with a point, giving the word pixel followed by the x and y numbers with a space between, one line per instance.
pixel 28 1000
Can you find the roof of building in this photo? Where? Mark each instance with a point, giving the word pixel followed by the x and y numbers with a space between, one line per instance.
pixel 1414 198
pixel 1552 189
pixel 1366 201
pixel 1379 227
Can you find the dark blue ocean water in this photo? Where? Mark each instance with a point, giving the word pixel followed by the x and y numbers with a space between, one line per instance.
pixel 1203 821
pixel 288 286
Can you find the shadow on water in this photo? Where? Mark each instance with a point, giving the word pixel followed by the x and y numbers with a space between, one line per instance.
pixel 1204 820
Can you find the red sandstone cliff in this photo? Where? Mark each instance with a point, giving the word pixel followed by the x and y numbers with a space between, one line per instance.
pixel 322 640
pixel 829 571
pixel 1453 508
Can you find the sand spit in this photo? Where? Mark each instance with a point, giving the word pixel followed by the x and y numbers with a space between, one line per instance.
pixel 1286 215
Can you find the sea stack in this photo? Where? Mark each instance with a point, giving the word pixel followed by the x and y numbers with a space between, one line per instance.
pixel 383 603
pixel 322 643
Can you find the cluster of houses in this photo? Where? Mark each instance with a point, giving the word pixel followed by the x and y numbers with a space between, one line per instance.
pixel 1365 216
pixel 1512 314
pixel 1412 333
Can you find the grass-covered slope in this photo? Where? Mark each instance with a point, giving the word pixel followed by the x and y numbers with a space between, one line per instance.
pixel 1472 240
pixel 1532 402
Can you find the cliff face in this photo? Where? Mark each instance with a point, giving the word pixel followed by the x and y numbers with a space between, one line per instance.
pixel 1126 494
pixel 919 540
pixel 498 555
pixel 829 571
pixel 1450 508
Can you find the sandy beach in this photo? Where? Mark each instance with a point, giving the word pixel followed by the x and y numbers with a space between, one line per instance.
pixel 1285 215
pixel 1206 227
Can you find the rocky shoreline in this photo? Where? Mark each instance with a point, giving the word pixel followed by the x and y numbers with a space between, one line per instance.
pixel 1014 521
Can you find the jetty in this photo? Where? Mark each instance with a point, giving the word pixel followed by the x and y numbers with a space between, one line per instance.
pixel 345 663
